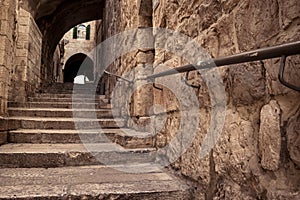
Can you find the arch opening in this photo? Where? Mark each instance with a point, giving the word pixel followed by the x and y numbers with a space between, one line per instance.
pixel 54 19
pixel 78 64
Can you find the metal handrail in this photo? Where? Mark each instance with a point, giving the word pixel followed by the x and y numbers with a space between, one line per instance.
pixel 278 51
pixel 288 49
pixel 117 76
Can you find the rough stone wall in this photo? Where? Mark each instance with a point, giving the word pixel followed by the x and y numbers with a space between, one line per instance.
pixel 80 45
pixel 257 154
pixel 119 16
pixel 7 52
pixel 26 73
pixel 57 65
pixel 127 18
pixel 7 49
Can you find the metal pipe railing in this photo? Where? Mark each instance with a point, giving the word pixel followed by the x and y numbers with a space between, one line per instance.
pixel 282 51
pixel 288 49
pixel 117 76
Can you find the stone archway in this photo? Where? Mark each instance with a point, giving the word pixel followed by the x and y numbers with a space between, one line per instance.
pixel 54 18
pixel 78 64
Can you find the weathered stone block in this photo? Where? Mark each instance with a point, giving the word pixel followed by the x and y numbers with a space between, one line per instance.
pixel 288 11
pixel 236 146
pixel 145 124
pixel 293 138
pixel 291 75
pixel 5 27
pixel 145 57
pixel 4 14
pixel 251 30
pixel 23 20
pixel 21 53
pixel 144 7
pixel 144 22
pixel 3 42
pixel 143 100
pixel 3 137
pixel 270 136
pixel 247 84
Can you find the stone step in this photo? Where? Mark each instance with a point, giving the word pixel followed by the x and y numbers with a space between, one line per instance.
pixel 58 95
pixel 92 182
pixel 60 99
pixel 61 155
pixel 64 123
pixel 60 112
pixel 71 88
pixel 68 86
pixel 59 105
pixel 88 91
pixel 125 137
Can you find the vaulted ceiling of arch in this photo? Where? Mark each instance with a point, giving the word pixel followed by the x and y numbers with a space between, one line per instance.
pixel 56 17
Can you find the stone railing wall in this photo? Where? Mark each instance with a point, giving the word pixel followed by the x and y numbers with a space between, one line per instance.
pixel 26 74
pixel 257 153
pixel 7 52
pixel 7 49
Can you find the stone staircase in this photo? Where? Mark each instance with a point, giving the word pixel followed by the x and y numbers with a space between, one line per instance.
pixel 48 157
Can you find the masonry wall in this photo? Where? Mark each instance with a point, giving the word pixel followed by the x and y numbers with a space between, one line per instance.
pixel 257 153
pixel 122 24
pixel 84 46
pixel 7 51
pixel 26 77
pixel 118 17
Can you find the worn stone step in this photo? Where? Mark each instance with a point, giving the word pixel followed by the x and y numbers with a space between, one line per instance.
pixel 79 100
pixel 89 91
pixel 59 105
pixel 60 155
pixel 129 138
pixel 60 112
pixel 92 182
pixel 70 86
pixel 64 123
pixel 41 136
pixel 125 137
pixel 58 95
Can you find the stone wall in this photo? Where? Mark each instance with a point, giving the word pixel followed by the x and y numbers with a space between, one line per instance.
pixel 26 77
pixel 123 21
pixel 75 46
pixel 57 65
pixel 7 52
pixel 257 153
pixel 118 16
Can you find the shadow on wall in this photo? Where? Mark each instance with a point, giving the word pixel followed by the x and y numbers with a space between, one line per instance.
pixel 78 64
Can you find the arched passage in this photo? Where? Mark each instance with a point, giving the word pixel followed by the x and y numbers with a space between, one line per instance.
pixel 54 18
pixel 78 64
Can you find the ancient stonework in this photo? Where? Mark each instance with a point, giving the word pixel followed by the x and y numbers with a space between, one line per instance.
pixel 254 136
pixel 270 136
pixel 26 72
pixel 256 154
pixel 293 137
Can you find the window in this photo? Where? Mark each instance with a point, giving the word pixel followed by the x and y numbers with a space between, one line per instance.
pixel 82 32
